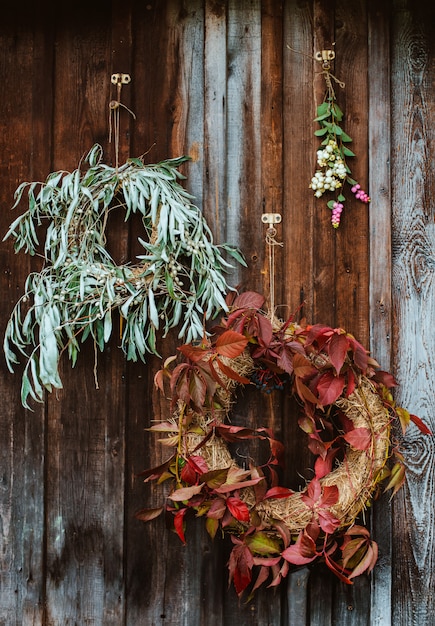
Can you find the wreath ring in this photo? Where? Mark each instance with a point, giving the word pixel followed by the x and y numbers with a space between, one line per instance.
pixel 178 281
pixel 346 411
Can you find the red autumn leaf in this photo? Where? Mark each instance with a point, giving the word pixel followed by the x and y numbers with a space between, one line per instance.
pixel 302 552
pixel 179 524
pixel 263 575
pixel 420 424
pixel 185 493
pixel 329 496
pixel 198 463
pixel 316 446
pixel 356 530
pixel 323 466
pixel 232 374
pixel 238 509
pixel 278 493
pixel 319 334
pixel 317 498
pixel 337 570
pixel 327 521
pixel 240 567
pixel 231 344
pixel 337 350
pixel 329 388
pixel 303 367
pixel 229 486
pixel 194 353
pixel 188 474
pixel 285 360
pixel 360 355
pixel 249 300
pixel 217 509
pixel 197 389
pixel 146 515
pixel 155 472
pixel 304 393
pixel 385 378
pixel 351 383
pixel 359 438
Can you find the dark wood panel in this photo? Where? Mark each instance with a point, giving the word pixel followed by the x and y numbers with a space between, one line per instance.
pixel 85 434
pixel 25 67
pixel 218 81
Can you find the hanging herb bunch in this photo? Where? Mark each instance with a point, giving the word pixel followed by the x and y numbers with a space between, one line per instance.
pixel 180 279
pixel 333 170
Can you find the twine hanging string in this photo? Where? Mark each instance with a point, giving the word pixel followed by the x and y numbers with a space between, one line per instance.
pixel 324 57
pixel 271 242
pixel 114 107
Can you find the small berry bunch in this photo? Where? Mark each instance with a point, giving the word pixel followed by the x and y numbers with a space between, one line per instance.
pixel 266 380
pixel 333 170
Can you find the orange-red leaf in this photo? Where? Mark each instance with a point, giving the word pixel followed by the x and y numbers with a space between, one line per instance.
pixel 359 438
pixel 338 347
pixel 231 344
pixel 146 515
pixel 185 493
pixel 420 424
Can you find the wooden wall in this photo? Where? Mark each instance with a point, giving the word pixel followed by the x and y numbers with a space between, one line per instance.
pixel 233 84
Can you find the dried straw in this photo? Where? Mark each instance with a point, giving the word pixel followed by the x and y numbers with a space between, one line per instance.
pixel 355 477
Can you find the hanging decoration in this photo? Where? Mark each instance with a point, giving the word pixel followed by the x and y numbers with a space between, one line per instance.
pixel 179 280
pixel 346 413
pixel 333 170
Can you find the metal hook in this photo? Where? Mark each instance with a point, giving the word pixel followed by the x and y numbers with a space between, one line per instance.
pixel 325 56
pixel 120 79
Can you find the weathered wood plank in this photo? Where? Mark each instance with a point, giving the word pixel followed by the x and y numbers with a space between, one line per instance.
pixel 352 252
pixel 243 147
pixel 379 115
pixel 323 242
pixel 85 437
pixel 25 67
pixel 215 119
pixel 413 256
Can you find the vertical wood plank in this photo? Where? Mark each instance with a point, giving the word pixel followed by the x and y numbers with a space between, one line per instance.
pixel 168 34
pixel 379 115
pixel 413 62
pixel 243 143
pixel 84 495
pixel 25 68
pixel 323 239
pixel 215 107
pixel 352 251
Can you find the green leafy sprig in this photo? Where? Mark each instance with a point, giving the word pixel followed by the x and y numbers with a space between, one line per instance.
pixel 333 170
pixel 180 279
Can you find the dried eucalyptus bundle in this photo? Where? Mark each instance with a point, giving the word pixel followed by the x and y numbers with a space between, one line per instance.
pixel 180 279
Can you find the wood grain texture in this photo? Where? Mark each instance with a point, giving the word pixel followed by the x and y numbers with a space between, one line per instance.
pixel 379 115
pixel 413 119
pixel 234 85
pixel 85 434
pixel 25 127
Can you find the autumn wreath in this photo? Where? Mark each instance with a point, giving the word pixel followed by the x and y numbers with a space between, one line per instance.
pixel 346 411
